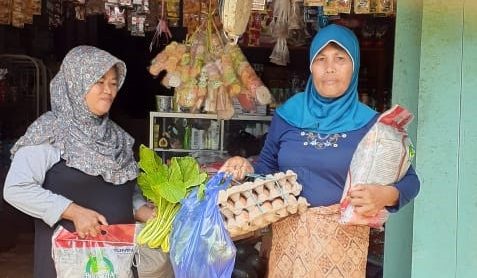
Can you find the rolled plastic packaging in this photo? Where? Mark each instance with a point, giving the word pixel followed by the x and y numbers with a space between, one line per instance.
pixel 382 157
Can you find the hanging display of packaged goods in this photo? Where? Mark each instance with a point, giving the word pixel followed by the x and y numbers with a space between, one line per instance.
pixel 35 7
pixel 206 72
pixel 330 7
pixel 54 9
pixel 141 16
pixel 173 12
pixel 385 6
pixel 343 6
pixel 314 3
pixel 195 12
pixel 259 5
pixel 19 12
pixel 235 15
pixel 5 12
pixel 335 7
pixel 191 15
pixel 362 6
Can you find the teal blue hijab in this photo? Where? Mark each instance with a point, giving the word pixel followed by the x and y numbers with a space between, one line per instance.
pixel 310 111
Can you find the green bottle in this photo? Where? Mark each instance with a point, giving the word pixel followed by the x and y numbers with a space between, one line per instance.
pixel 187 133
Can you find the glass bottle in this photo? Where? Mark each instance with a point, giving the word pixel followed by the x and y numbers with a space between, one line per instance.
pixel 187 135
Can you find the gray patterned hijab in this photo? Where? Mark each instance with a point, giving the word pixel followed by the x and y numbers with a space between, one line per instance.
pixel 94 145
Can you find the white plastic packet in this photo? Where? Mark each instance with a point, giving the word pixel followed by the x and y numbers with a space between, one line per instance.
pixel 382 157
pixel 110 254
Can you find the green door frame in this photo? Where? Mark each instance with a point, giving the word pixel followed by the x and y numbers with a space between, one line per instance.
pixel 435 69
pixel 406 72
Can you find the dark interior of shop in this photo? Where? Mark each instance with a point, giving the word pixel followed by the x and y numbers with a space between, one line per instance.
pixel 137 97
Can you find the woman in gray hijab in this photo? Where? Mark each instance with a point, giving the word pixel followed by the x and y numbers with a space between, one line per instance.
pixel 74 166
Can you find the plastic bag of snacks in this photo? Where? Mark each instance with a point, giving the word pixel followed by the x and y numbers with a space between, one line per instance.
pixel 110 254
pixel 382 157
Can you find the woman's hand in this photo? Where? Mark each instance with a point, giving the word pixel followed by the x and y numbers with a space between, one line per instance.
pixel 145 213
pixel 369 199
pixel 238 167
pixel 87 222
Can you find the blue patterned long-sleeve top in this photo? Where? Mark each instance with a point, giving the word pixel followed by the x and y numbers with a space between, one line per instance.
pixel 321 161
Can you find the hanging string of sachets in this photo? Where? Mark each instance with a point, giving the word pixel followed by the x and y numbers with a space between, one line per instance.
pixel 19 12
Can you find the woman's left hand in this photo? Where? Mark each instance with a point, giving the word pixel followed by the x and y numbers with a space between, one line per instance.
pixel 369 199
pixel 238 167
pixel 145 213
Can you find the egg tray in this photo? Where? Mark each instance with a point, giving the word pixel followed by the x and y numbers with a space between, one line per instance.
pixel 250 206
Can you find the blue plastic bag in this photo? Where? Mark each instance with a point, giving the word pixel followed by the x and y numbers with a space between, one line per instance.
pixel 201 246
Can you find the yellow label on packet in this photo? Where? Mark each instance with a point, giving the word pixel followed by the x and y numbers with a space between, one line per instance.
pixel 343 6
pixel 385 6
pixel 411 152
pixel 331 7
pixel 362 6
pixel 314 3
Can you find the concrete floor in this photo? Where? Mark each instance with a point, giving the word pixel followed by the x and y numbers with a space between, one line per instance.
pixel 16 246
pixel 17 262
pixel 16 243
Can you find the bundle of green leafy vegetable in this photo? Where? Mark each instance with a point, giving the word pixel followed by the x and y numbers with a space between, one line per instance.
pixel 165 186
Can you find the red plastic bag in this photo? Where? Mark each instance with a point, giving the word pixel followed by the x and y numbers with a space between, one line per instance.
pixel 110 254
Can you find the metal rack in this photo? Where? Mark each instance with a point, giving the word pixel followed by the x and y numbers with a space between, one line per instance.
pixel 162 116
pixel 28 80
pixel 23 97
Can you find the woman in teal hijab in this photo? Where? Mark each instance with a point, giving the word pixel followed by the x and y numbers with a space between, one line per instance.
pixel 312 111
pixel 315 134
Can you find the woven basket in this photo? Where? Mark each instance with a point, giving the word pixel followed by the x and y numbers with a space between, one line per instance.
pixel 235 15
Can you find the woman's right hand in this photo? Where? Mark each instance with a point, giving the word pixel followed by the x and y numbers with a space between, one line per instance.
pixel 87 222
pixel 238 167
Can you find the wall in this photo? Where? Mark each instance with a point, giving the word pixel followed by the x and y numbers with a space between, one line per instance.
pixel 444 229
pixel 398 237
pixel 467 196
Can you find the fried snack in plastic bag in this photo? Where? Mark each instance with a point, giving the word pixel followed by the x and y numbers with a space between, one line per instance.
pixel 110 254
pixel 382 157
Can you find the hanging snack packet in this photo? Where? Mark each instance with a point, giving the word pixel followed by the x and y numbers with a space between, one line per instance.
pixel 385 6
pixel 343 6
pixel 382 157
pixel 314 3
pixel 331 7
pixel 362 6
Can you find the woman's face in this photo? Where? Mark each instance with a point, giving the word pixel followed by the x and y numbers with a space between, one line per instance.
pixel 101 96
pixel 332 70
